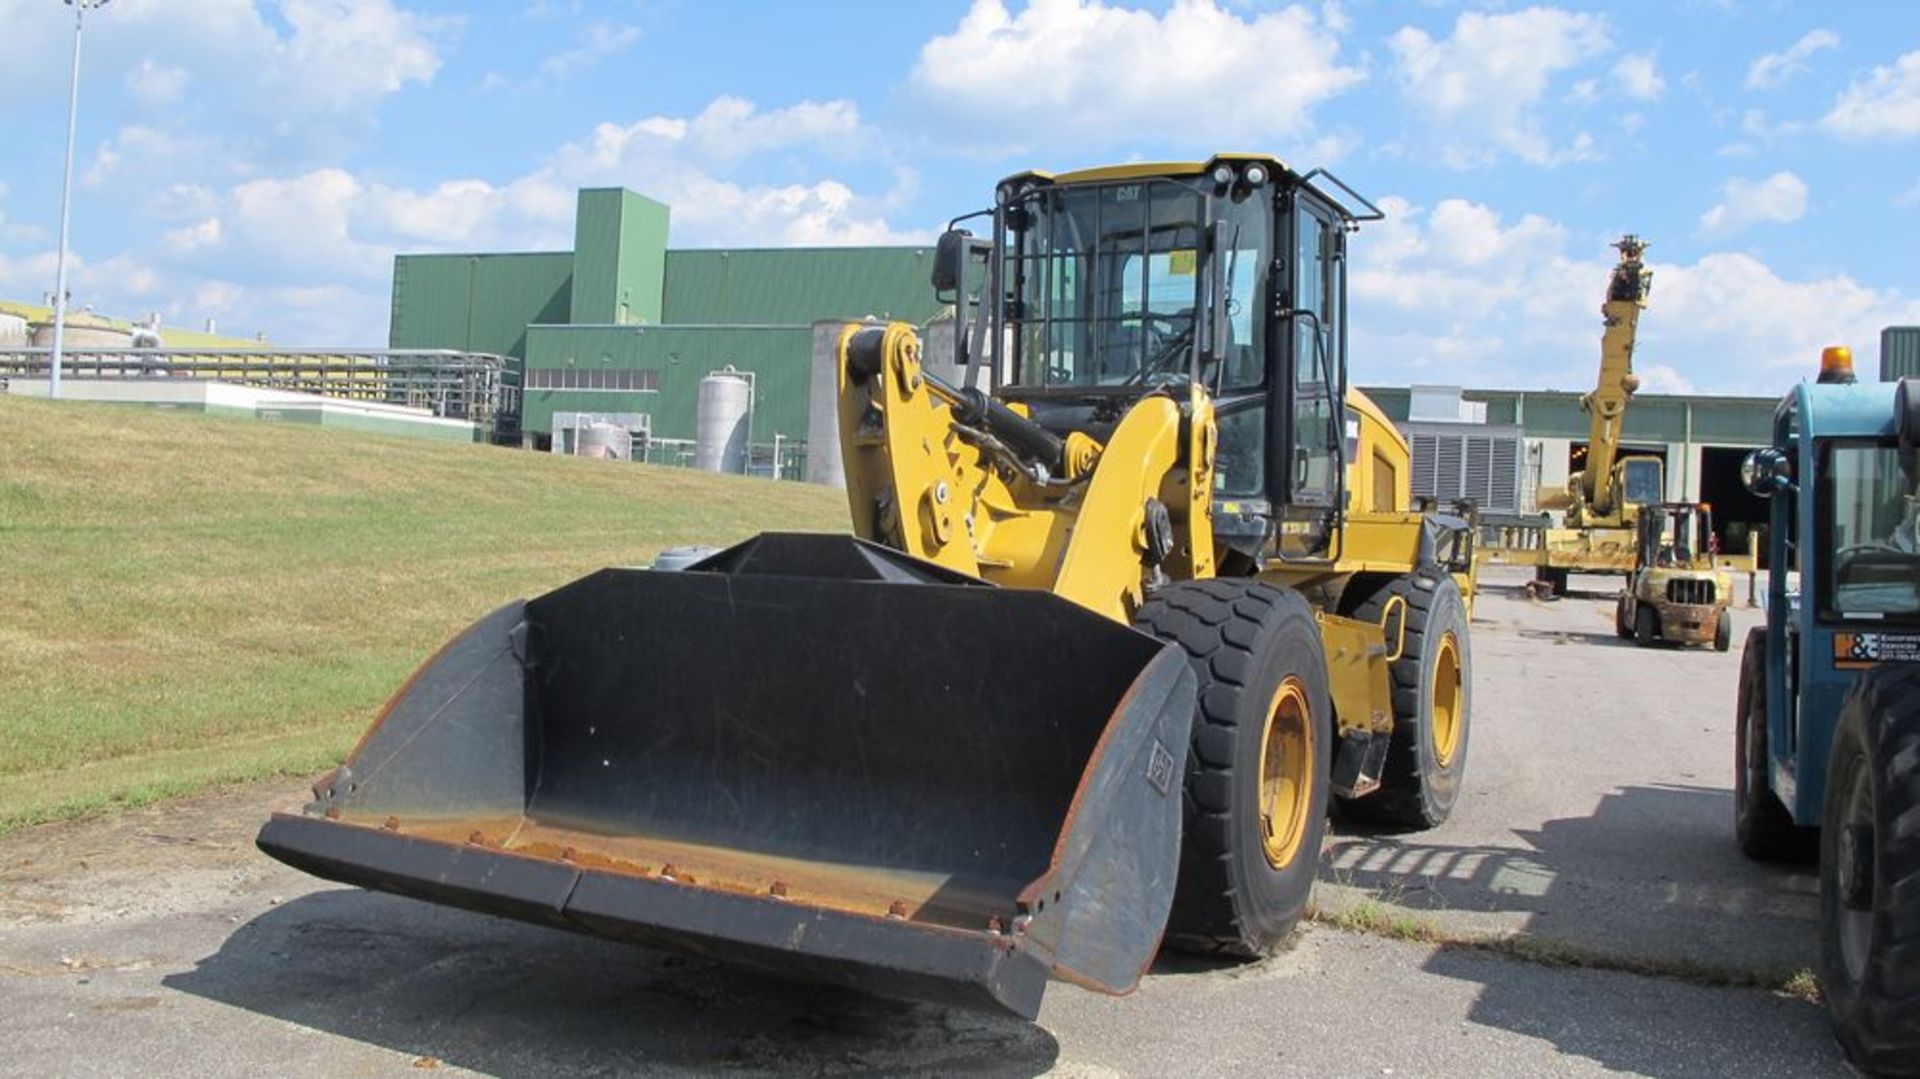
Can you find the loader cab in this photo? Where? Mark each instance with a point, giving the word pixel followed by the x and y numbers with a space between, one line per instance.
pixel 1117 283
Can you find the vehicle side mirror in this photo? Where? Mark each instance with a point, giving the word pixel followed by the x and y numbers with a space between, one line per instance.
pixel 1906 426
pixel 949 259
pixel 1767 471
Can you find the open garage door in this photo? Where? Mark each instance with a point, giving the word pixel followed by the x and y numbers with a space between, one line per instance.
pixel 1738 516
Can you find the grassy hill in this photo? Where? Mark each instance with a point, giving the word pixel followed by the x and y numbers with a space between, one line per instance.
pixel 188 601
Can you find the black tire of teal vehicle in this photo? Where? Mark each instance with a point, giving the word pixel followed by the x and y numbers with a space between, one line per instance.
pixel 1870 873
pixel 1646 627
pixel 1762 826
pixel 1723 632
pixel 1258 769
pixel 1432 694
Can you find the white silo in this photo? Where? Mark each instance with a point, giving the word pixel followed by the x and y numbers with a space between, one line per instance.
pixel 721 421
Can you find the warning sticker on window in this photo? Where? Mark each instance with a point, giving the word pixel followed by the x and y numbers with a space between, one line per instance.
pixel 1181 263
pixel 1856 650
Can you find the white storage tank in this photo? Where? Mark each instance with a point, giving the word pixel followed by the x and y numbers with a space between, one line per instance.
pixel 606 441
pixel 725 404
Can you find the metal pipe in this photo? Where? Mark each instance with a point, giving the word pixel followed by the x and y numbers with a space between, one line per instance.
pixel 66 199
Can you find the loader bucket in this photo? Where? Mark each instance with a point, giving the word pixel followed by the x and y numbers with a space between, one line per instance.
pixel 807 754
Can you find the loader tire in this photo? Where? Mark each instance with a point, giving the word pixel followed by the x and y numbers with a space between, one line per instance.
pixel 1427 755
pixel 1620 627
pixel 1646 627
pixel 1723 632
pixel 1870 873
pixel 1262 729
pixel 1761 824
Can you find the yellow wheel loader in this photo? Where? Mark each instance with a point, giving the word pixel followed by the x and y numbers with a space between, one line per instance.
pixel 1135 593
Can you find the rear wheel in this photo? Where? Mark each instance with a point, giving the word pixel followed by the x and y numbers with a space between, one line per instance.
pixel 1257 775
pixel 1870 873
pixel 1431 684
pixel 1761 825
pixel 1646 626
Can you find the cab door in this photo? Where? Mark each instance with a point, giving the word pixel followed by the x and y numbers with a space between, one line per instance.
pixel 1309 462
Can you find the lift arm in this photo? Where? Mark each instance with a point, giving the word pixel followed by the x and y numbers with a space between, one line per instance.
pixel 960 479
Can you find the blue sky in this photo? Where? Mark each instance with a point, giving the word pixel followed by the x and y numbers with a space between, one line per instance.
pixel 260 161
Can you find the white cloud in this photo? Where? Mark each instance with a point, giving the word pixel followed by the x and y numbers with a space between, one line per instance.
pixel 1885 104
pixel 1460 294
pixel 1662 378
pixel 155 85
pixel 343 54
pixel 1087 73
pixel 193 238
pixel 1739 311
pixel 600 41
pixel 307 254
pixel 1775 68
pixel 143 151
pixel 1639 77
pixel 335 57
pixel 1480 87
pixel 181 202
pixel 685 161
pixel 1755 122
pixel 1780 198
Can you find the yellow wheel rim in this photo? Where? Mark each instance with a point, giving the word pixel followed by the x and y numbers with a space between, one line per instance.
pixel 1448 717
pixel 1286 774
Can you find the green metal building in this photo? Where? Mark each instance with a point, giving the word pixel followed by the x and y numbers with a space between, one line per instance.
pixel 624 324
pixel 1899 353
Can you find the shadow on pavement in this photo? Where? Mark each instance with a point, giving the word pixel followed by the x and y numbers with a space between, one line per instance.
pixel 1651 873
pixel 1576 636
pixel 509 999
pixel 1636 1026
pixel 1652 876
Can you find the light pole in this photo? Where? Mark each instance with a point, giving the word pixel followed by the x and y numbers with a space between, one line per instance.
pixel 66 199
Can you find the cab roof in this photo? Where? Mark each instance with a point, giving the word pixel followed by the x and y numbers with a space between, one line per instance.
pixel 1144 170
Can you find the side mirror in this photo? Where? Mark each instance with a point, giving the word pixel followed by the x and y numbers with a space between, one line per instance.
pixel 1906 426
pixel 949 259
pixel 1767 471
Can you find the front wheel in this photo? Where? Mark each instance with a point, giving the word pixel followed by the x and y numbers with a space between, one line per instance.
pixel 1646 627
pixel 1621 627
pixel 1258 769
pixel 1870 873
pixel 1761 824
pixel 1723 632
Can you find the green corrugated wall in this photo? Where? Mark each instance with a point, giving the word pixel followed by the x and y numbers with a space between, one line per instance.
pixel 1899 353
pixel 477 303
pixel 1650 418
pixel 798 285
pixel 619 253
pixel 779 357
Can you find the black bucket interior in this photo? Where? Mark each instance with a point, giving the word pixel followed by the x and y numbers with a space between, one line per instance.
pixel 869 745
pixel 925 740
